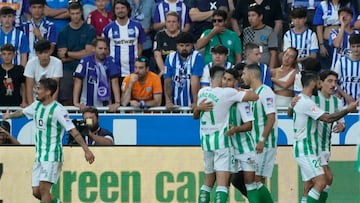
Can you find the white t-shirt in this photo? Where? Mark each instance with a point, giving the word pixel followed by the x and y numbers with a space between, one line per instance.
pixel 34 70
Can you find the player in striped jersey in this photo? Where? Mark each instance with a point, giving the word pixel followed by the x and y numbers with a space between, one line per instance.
pixel 219 54
pixel 183 70
pixel 240 121
pixel 306 115
pixel 50 119
pixel 264 129
pixel 213 110
pixel 348 68
pixel 301 37
pixel 38 27
pixel 11 35
pixel 171 5
pixel 125 37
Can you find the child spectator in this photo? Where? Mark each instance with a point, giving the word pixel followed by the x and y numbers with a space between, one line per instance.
pixel 100 17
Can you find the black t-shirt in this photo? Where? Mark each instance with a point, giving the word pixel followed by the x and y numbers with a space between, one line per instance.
pixel 164 43
pixel 272 9
pixel 10 86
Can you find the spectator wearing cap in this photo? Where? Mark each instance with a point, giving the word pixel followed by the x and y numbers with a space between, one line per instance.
pixel 183 70
pixel 219 34
pixel 263 35
pixel 95 77
pixel 219 54
pixel 38 27
pixel 42 66
pixel 10 35
pixel 142 88
pixel 300 37
pixel 5 135
pixel 339 38
pixel 74 42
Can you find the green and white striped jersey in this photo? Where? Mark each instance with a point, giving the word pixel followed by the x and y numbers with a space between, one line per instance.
pixel 261 108
pixel 241 113
pixel 324 130
pixel 305 116
pixel 50 121
pixel 215 123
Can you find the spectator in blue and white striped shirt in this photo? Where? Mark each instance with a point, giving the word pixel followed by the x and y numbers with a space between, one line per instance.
pixel 10 35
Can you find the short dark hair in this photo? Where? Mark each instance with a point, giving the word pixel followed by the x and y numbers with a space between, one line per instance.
pixel 324 74
pixel 233 72
pixel 307 77
pixel 311 64
pixel 8 47
pixel 75 5
pixel 221 13
pixel 125 3
pixel 42 45
pixel 99 39
pixel 91 109
pixel 255 68
pixel 49 84
pixel 219 49
pixel 345 9
pixel 33 2
pixel 185 37
pixel 5 125
pixel 354 39
pixel 299 12
pixel 257 9
pixel 215 70
pixel 7 10
pixel 250 46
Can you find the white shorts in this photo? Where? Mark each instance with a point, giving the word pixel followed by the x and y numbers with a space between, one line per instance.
pixel 219 160
pixel 46 171
pixel 310 166
pixel 265 162
pixel 245 162
pixel 324 158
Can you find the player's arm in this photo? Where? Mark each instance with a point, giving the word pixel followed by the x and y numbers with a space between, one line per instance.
pixel 267 130
pixel 16 114
pixel 329 118
pixel 202 107
pixel 246 126
pixel 250 96
pixel 89 156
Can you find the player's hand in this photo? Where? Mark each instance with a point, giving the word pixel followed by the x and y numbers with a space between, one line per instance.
pixel 89 156
pixel 259 147
pixel 205 105
pixel 6 115
pixel 231 130
pixel 339 127
pixel 294 100
pixel 352 106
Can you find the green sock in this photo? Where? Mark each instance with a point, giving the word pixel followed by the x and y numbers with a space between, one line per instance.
pixel 204 196
pixel 253 196
pixel 221 194
pixel 264 194
pixel 310 199
pixel 323 197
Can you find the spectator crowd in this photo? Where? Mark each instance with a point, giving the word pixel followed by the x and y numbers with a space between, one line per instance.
pixel 145 53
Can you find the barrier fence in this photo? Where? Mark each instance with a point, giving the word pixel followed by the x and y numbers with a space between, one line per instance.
pixel 158 174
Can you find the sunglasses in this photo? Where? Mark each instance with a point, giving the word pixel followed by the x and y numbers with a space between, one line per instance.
pixel 217 20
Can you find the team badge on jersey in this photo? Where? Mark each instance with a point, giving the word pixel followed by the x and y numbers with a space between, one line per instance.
pixel 269 102
pixel 148 89
pixel 67 118
pixel 79 68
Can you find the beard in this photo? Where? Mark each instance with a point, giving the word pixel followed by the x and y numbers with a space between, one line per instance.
pixel 94 127
pixel 184 54
pixel 315 91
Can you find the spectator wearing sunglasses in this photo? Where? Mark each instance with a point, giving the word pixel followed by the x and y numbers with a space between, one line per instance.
pixel 142 88
pixel 95 77
pixel 219 34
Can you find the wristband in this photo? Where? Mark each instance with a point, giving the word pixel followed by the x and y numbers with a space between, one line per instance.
pixel 262 139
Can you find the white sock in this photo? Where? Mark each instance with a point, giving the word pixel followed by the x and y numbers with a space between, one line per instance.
pixel 251 186
pixel 303 199
pixel 206 188
pixel 314 194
